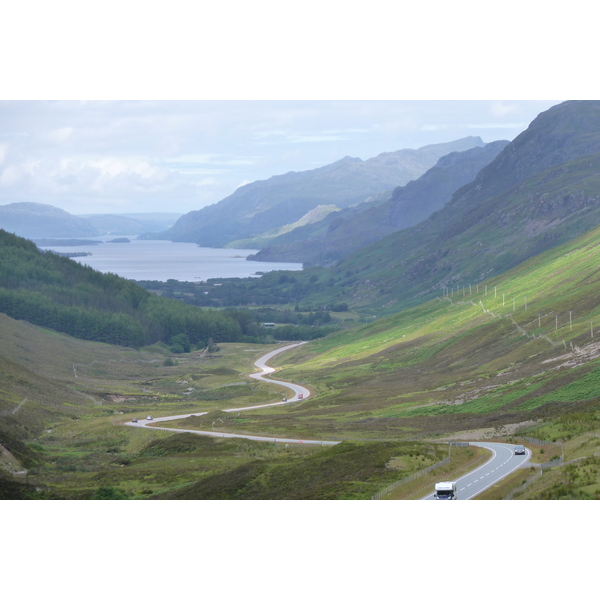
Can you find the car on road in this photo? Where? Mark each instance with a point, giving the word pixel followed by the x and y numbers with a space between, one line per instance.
pixel 300 396
pixel 134 420
pixel 148 418
pixel 520 450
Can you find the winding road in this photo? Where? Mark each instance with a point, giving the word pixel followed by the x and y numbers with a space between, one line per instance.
pixel 261 364
pixel 502 463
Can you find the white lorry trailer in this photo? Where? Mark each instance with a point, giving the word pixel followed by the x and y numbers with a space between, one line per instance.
pixel 445 490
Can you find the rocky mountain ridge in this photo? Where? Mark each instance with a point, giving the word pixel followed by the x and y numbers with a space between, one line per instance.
pixel 347 231
pixel 264 205
pixel 542 190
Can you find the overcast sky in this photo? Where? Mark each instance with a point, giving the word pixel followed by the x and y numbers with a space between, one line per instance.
pixel 269 88
pixel 169 156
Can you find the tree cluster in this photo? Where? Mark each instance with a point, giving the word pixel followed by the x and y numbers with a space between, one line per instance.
pixel 56 292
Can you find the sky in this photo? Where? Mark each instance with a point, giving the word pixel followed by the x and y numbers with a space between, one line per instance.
pixel 133 108
pixel 133 156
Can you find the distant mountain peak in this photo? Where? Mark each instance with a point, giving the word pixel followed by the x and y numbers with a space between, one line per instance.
pixel 33 208
pixel 262 206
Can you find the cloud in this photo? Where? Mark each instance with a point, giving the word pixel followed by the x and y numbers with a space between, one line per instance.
pixel 503 108
pixel 306 137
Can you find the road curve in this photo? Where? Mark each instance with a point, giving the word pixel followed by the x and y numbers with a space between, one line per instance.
pixel 502 463
pixel 261 363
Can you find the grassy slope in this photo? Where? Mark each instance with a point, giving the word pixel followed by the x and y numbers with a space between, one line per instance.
pixel 464 244
pixel 466 361
pixel 461 366
pixel 62 398
pixel 468 365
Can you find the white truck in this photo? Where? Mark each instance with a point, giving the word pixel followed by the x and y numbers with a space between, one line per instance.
pixel 445 490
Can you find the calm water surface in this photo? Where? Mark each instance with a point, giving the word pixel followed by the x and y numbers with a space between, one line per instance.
pixel 159 260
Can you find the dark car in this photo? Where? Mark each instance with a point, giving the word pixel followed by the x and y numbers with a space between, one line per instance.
pixel 520 450
pixel 134 420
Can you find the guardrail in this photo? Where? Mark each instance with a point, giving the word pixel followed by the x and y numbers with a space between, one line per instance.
pixel 524 486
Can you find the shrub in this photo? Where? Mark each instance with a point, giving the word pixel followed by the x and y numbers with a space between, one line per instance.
pixel 108 493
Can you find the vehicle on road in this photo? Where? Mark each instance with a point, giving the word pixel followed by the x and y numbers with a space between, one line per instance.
pixel 134 420
pixel 445 490
pixel 148 418
pixel 300 396
pixel 520 450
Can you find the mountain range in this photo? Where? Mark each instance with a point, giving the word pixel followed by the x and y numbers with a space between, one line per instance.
pixel 34 220
pixel 262 206
pixel 542 190
pixel 340 233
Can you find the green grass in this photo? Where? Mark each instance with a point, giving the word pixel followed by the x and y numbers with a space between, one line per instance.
pixel 351 470
pixel 440 369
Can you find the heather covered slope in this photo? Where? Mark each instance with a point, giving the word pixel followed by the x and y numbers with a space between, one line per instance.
pixel 513 357
pixel 514 349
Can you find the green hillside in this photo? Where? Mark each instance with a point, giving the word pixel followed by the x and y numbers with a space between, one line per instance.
pixel 514 357
pixel 540 191
pixel 511 350
pixel 56 292
pixel 458 247
pixel 63 402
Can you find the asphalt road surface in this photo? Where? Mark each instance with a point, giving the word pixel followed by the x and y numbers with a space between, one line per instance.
pixel 261 364
pixel 502 463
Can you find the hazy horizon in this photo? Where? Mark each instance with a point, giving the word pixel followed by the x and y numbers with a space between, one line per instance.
pixel 124 157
